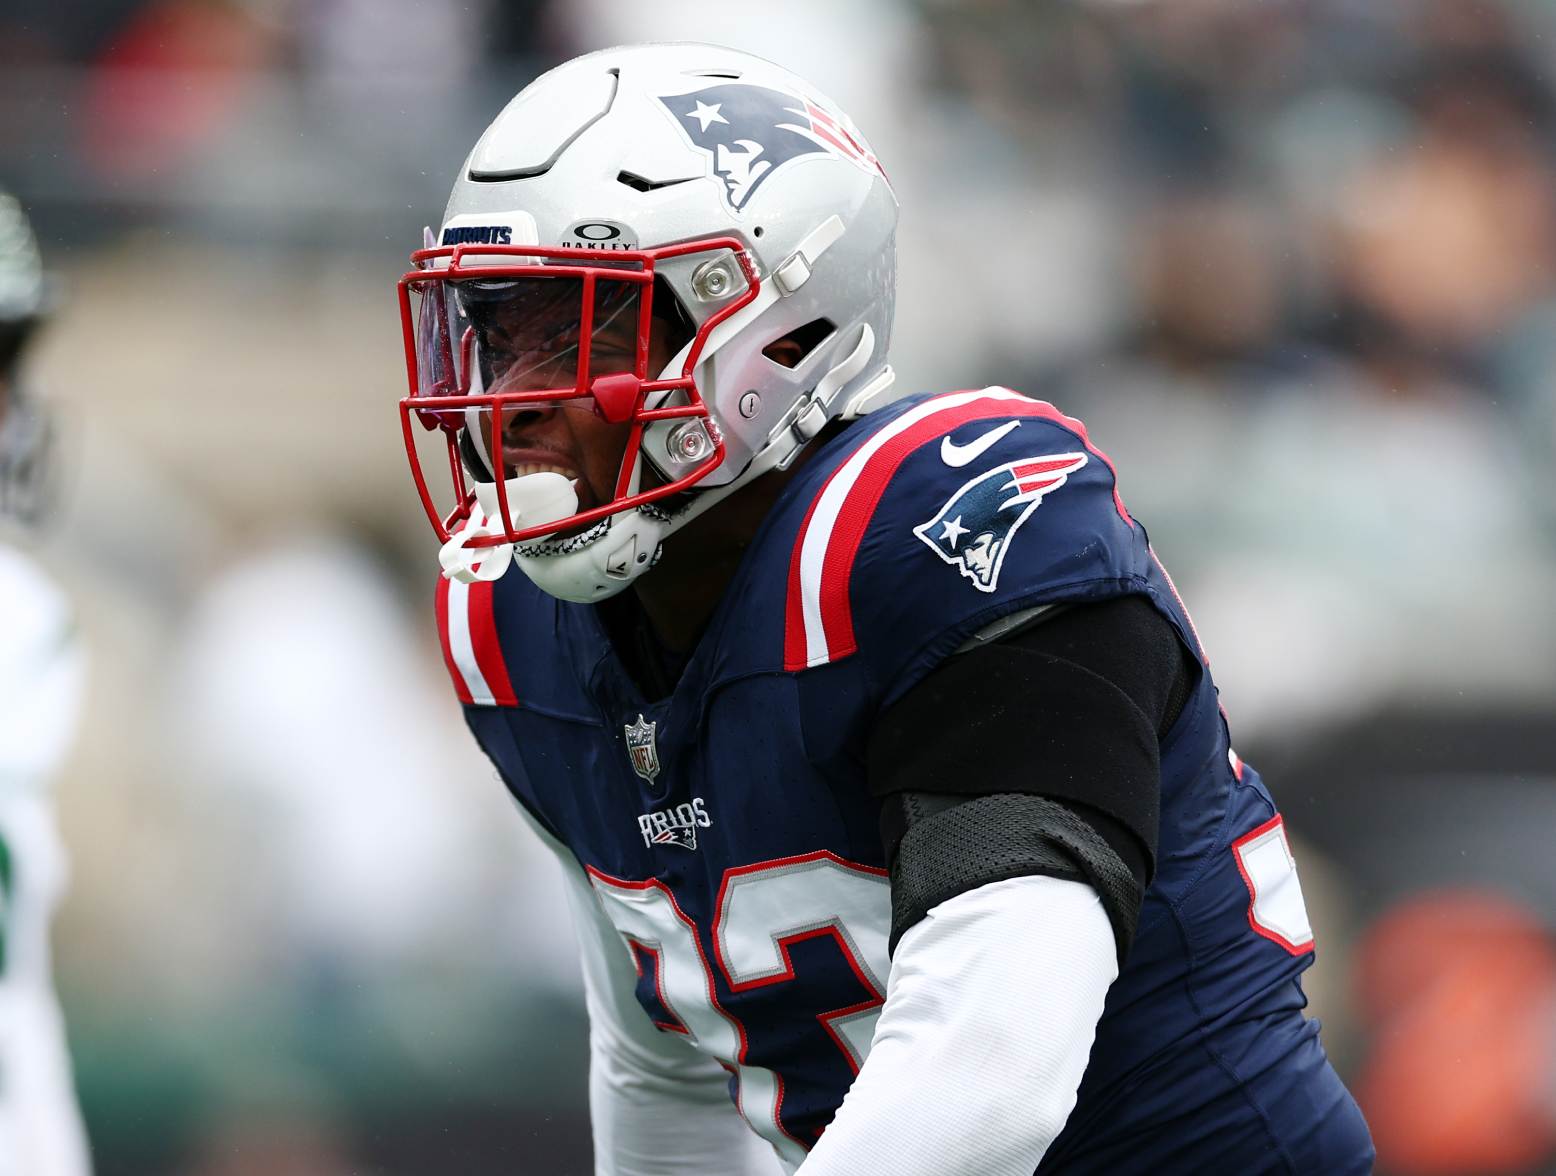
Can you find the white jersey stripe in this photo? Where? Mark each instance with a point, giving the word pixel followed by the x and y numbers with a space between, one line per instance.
pixel 461 646
pixel 818 535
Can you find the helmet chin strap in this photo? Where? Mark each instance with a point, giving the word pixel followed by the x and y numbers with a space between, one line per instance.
pixel 605 560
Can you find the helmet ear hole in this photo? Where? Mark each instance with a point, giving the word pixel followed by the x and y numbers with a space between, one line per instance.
pixel 792 349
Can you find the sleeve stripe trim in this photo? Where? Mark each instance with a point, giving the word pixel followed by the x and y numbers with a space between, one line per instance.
pixel 467 630
pixel 818 623
pixel 458 678
pixel 1187 616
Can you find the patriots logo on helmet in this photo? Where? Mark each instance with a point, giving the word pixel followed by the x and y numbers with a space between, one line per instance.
pixel 973 530
pixel 751 131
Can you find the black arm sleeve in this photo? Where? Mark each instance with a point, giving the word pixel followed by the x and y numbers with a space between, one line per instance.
pixel 1035 754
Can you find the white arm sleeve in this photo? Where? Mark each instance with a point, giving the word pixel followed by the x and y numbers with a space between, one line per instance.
pixel 991 1008
pixel 658 1106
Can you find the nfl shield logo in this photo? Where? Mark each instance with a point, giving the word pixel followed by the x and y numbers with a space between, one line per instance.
pixel 642 748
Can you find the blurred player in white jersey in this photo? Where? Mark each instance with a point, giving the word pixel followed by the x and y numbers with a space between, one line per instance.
pixel 40 694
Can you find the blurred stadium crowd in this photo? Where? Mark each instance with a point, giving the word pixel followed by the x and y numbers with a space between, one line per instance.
pixel 1293 261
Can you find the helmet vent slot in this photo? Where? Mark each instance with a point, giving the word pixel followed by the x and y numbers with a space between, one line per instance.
pixel 497 175
pixel 642 184
pixel 794 348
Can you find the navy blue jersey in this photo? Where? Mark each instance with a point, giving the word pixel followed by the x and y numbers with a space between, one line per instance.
pixel 731 839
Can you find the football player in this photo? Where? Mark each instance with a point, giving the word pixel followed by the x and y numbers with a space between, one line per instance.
pixel 40 695
pixel 880 752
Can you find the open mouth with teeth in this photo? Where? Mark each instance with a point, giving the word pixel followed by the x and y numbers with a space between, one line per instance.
pixel 583 495
pixel 525 468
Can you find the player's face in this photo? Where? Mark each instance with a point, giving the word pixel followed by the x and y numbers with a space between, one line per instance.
pixel 524 352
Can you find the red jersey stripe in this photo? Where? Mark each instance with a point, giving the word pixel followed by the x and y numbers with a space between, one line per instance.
pixel 460 688
pixel 488 650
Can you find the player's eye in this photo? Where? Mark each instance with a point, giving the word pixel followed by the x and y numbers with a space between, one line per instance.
pixel 496 351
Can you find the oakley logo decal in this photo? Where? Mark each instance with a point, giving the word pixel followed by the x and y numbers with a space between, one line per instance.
pixel 599 235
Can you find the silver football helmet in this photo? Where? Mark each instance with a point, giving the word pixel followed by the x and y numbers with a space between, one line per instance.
pixel 685 244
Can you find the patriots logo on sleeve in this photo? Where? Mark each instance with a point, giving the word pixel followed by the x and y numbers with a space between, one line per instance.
pixel 973 530
pixel 752 131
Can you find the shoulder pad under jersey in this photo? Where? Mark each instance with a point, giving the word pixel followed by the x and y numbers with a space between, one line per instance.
pixel 952 511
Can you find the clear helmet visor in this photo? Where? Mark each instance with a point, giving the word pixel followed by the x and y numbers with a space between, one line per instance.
pixel 519 347
pixel 540 334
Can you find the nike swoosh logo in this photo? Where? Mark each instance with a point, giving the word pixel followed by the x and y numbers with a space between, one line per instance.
pixel 955 455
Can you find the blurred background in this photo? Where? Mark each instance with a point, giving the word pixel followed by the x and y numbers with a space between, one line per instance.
pixel 1293 262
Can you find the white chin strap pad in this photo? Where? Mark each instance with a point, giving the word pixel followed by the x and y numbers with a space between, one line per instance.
pixel 602 567
pixel 533 501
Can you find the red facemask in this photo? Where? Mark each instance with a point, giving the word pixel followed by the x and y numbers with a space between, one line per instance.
pixel 493 332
